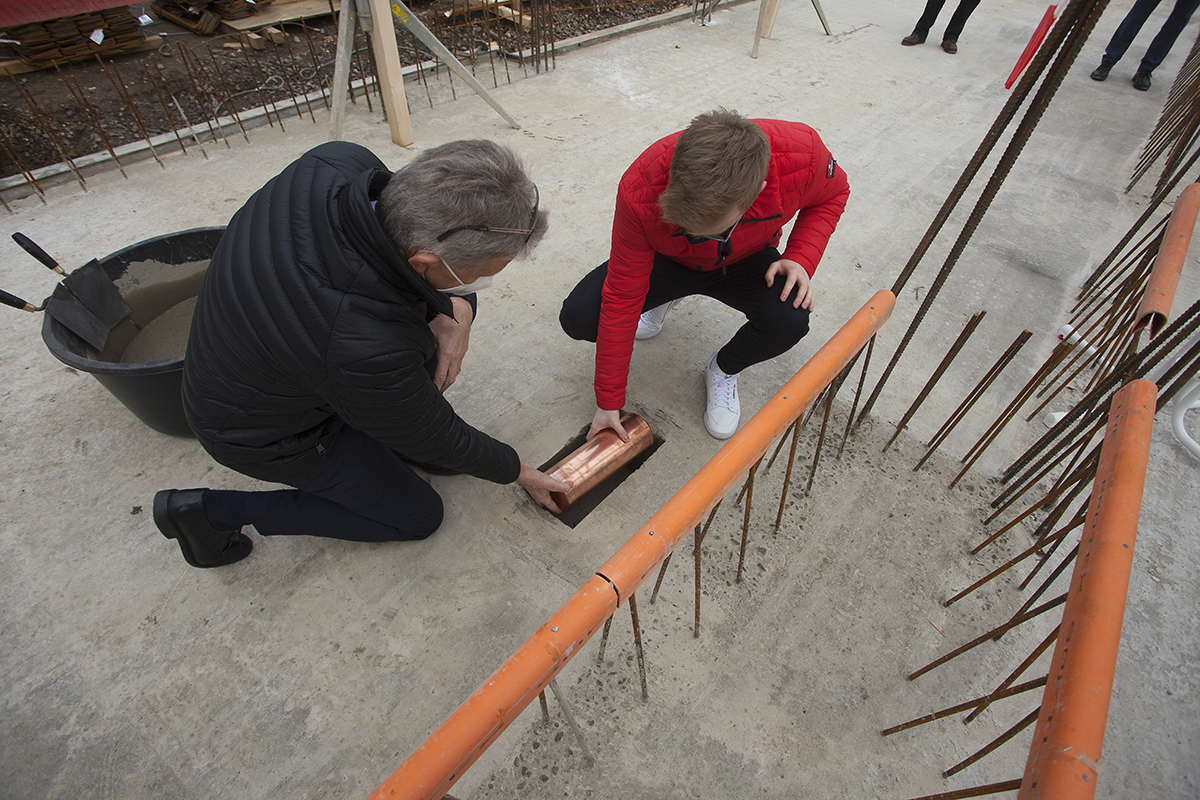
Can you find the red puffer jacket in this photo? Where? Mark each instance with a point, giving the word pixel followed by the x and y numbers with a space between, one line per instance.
pixel 803 179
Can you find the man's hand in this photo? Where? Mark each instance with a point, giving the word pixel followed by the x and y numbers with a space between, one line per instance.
pixel 607 419
pixel 540 485
pixel 796 277
pixel 452 335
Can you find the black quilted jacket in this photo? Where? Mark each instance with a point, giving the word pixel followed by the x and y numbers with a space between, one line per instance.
pixel 310 318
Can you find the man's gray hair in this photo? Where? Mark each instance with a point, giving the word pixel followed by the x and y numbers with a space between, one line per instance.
pixel 472 182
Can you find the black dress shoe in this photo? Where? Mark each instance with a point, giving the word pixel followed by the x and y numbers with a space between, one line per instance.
pixel 950 46
pixel 1101 72
pixel 1141 80
pixel 911 39
pixel 179 514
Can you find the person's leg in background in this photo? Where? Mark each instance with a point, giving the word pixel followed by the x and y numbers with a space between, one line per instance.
pixel 921 29
pixel 1177 20
pixel 955 28
pixel 1123 36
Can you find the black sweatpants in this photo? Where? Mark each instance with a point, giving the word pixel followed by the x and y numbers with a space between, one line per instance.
pixel 772 326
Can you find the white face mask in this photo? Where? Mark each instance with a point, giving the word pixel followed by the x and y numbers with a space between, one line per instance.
pixel 464 289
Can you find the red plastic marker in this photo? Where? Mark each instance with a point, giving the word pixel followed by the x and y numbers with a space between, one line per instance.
pixel 1034 43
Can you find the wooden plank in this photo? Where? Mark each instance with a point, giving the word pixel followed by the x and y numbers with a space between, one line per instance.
pixel 279 12
pixel 391 79
pixel 504 12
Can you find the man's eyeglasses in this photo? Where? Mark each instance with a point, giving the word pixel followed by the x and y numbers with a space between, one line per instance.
pixel 533 217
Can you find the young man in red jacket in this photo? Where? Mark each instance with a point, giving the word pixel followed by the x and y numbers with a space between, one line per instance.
pixel 702 212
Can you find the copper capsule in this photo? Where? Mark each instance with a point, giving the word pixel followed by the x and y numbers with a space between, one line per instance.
pixel 599 458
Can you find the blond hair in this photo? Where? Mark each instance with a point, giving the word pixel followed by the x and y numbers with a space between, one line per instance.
pixel 719 166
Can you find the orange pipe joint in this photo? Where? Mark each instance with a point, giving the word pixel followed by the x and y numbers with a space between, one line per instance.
pixel 1155 308
pixel 1064 757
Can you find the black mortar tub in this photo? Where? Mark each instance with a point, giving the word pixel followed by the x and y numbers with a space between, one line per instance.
pixel 152 276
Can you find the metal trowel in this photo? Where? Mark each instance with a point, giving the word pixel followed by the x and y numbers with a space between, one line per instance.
pixel 69 312
pixel 89 284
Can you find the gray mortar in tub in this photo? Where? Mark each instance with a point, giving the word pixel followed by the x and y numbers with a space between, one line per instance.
pixel 161 298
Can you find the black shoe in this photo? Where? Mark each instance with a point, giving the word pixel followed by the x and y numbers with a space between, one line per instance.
pixel 179 514
pixel 1141 80
pixel 1101 72
pixel 912 38
pixel 950 46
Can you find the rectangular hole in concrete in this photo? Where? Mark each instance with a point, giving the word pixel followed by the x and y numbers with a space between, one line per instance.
pixel 585 505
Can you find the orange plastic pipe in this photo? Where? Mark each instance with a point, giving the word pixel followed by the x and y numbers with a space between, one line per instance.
pixel 1064 757
pixel 1155 308
pixel 433 767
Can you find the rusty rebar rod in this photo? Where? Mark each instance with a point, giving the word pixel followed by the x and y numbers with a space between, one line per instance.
pixel 362 73
pixel 955 348
pixel 862 377
pixel 952 710
pixel 1137 365
pixel 175 102
pixel 787 478
pixel 1000 570
pixel 166 113
pixel 1068 475
pixel 1078 20
pixel 25 172
pixel 303 95
pixel 700 534
pixel 1029 661
pixel 978 640
pixel 1009 112
pixel 202 98
pixel 545 706
pixel 1076 522
pixel 1006 416
pixel 566 709
pixel 779 445
pixel 287 41
pixel 992 745
pixel 318 73
pixel 975 791
pixel 1094 289
pixel 830 393
pixel 90 111
pixel 637 643
pixel 746 518
pixel 228 95
pixel 663 571
pixel 268 105
pixel 1155 201
pixel 44 122
pixel 604 640
pixel 974 395
pixel 420 69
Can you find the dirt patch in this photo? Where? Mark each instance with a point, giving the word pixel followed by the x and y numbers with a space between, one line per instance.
pixel 77 109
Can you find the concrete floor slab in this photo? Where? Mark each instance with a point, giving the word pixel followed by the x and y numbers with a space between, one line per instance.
pixel 314 667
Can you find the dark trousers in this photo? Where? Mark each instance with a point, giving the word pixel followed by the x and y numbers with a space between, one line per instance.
pixel 1178 19
pixel 362 491
pixel 954 29
pixel 773 327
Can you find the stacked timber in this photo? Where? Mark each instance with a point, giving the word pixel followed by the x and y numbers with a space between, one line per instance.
pixel 203 16
pixel 74 38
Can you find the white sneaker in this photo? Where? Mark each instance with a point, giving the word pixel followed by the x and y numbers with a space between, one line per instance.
pixel 724 410
pixel 651 322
